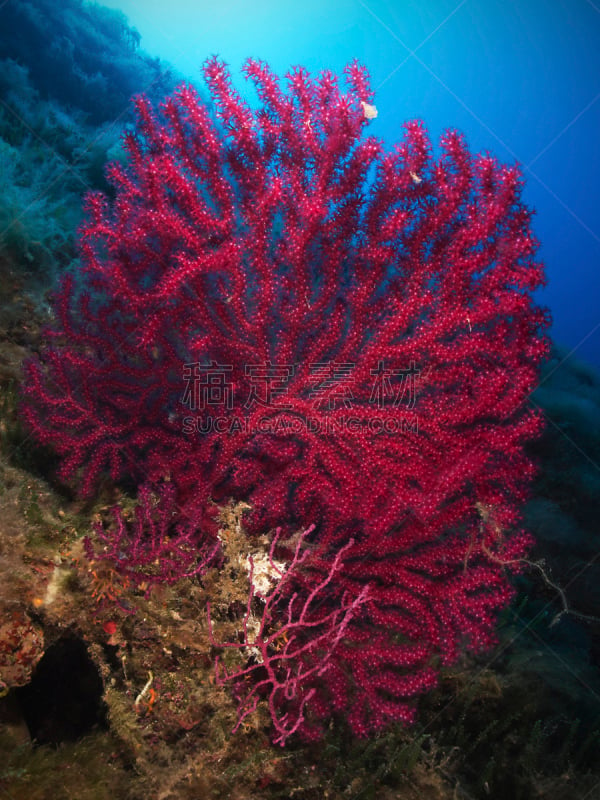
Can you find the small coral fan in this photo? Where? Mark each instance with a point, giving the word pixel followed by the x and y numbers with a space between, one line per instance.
pixel 274 309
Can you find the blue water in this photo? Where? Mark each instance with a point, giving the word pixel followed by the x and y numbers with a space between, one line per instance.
pixel 520 79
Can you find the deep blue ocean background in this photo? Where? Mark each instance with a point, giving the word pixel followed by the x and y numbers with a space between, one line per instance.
pixel 520 78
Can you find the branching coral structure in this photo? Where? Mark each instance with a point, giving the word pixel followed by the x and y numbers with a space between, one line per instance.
pixel 274 309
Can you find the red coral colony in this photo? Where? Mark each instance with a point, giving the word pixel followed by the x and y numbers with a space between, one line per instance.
pixel 272 309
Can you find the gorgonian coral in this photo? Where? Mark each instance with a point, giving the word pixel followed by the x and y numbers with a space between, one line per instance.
pixel 273 308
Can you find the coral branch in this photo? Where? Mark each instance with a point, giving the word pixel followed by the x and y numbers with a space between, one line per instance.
pixel 159 546
pixel 287 641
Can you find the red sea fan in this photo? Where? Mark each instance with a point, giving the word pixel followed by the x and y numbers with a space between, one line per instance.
pixel 155 545
pixel 274 309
